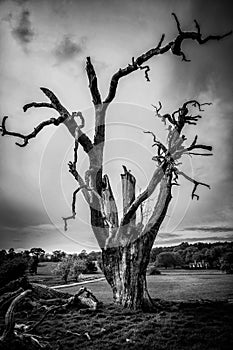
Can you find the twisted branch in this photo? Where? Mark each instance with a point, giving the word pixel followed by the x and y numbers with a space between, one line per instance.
pixel 147 69
pixel 195 182
pixel 65 117
pixel 93 85
pixel 157 143
pixel 170 118
pixel 37 129
pixel 174 46
pixel 73 207
pixel 136 64
pixel 9 318
pixel 194 145
pixel 197 36
pixel 195 103
pixel 37 105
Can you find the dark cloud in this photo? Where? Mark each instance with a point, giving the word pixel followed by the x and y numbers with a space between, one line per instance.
pixel 20 2
pixel 167 235
pixel 193 240
pixel 209 239
pixel 68 49
pixel 15 215
pixel 23 32
pixel 209 228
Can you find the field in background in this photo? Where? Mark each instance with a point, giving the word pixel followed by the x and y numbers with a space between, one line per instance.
pixel 175 285
pixel 46 276
pixel 170 285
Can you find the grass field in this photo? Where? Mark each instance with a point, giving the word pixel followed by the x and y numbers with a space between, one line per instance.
pixel 176 285
pixel 170 285
pixel 173 325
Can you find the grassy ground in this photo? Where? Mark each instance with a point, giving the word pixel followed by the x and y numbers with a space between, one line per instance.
pixel 183 325
pixel 176 285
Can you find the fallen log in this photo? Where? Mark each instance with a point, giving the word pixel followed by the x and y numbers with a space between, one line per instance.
pixel 40 291
pixel 8 297
pixel 19 336
pixel 12 339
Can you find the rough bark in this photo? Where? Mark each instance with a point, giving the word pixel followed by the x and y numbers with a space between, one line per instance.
pixel 128 191
pixel 7 298
pixel 125 266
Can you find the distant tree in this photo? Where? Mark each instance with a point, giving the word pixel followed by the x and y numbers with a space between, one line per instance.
pixel 38 252
pixel 33 264
pixel 154 253
pixel 11 253
pixel 189 254
pixel 90 266
pixel 12 269
pixel 93 256
pixel 26 254
pixel 198 256
pixel 78 266
pixel 179 259
pixel 227 262
pixel 3 255
pixel 63 268
pixel 58 255
pixel 166 259
pixel 83 254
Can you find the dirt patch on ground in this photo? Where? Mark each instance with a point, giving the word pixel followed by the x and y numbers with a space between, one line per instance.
pixel 185 325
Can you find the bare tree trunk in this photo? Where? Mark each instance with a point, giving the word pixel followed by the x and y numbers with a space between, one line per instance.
pixel 125 266
pixel 125 271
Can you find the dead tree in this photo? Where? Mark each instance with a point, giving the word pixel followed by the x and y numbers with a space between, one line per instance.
pixel 125 245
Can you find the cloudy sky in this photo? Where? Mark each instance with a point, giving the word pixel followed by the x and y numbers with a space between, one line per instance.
pixel 45 43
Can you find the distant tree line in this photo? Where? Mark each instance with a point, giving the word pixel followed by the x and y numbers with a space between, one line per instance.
pixel 195 256
pixel 15 264
pixel 191 256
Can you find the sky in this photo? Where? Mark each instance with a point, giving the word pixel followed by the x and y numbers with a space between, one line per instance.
pixel 45 44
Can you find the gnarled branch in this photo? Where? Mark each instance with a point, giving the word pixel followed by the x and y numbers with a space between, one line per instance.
pixel 157 143
pixel 73 206
pixel 194 145
pixel 9 318
pixel 37 129
pixel 195 103
pixel 195 182
pixel 170 118
pixel 136 64
pixel 65 117
pixel 197 36
pixel 37 105
pixel 93 82
pixel 174 46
